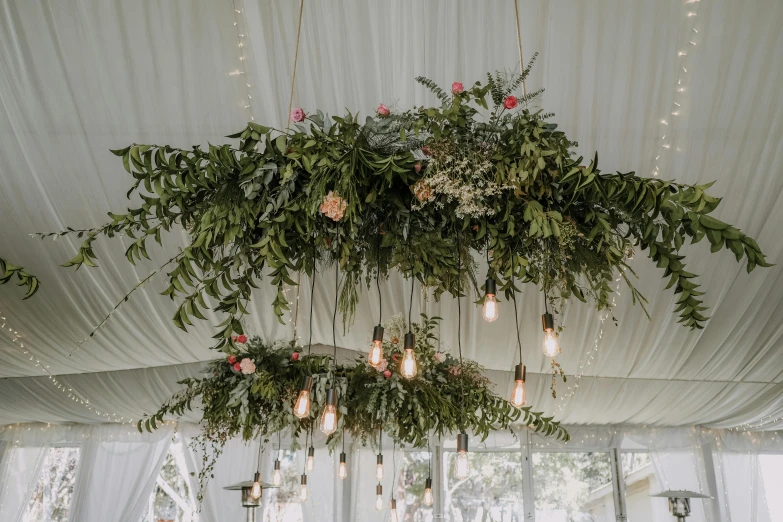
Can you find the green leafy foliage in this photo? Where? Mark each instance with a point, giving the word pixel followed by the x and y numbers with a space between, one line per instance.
pixel 503 181
pixel 8 270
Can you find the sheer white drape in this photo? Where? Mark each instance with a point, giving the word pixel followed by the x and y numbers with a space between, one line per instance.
pixel 19 470
pixel 114 479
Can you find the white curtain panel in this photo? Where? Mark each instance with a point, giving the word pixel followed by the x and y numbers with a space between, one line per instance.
pixel 19 471
pixel 114 479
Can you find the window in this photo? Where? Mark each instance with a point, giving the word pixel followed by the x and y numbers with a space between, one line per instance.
pixel 573 487
pixel 282 504
pixel 171 499
pixel 51 497
pixel 414 468
pixel 492 492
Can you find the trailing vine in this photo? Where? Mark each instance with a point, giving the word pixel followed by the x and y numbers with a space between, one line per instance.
pixel 8 270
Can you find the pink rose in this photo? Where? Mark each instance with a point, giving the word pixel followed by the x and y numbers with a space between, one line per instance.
pixel 333 206
pixel 440 356
pixel 417 168
pixel 232 359
pixel 297 115
pixel 382 367
pixel 247 366
pixel 241 338
pixel 383 110
pixel 457 88
pixel 510 102
pixel 295 356
pixel 387 374
pixel 237 367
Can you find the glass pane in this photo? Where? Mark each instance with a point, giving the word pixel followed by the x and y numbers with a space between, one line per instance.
pixel 492 491
pixel 640 483
pixel 573 487
pixel 51 498
pixel 170 500
pixel 409 489
pixel 282 504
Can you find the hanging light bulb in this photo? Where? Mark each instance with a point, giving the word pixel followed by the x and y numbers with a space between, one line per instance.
pixel 303 488
pixel 378 497
pixel 310 458
pixel 409 368
pixel 428 492
pixel 379 467
pixel 342 471
pixel 518 394
pixel 462 466
pixel 551 346
pixel 393 512
pixel 376 351
pixel 277 476
pixel 302 405
pixel 329 417
pixel 490 310
pixel 255 491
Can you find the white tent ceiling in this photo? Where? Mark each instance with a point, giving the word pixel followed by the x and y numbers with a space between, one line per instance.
pixel 80 77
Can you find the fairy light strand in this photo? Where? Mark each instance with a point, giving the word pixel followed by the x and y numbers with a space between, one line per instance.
pixel 247 100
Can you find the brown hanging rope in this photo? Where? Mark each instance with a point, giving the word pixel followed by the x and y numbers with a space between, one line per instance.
pixel 519 42
pixel 296 59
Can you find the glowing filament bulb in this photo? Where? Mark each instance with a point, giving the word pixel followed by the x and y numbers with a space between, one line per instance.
pixel 490 310
pixel 255 491
pixel 376 354
pixel 379 467
pixel 518 394
pixel 408 367
pixel 311 459
pixel 303 488
pixel 302 405
pixel 551 346
pixel 428 492
pixel 378 497
pixel 393 512
pixel 277 476
pixel 342 470
pixel 462 465
pixel 329 417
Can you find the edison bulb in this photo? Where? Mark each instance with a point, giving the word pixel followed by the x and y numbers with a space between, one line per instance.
pixel 462 466
pixel 393 512
pixel 490 310
pixel 310 463
pixel 376 354
pixel 409 368
pixel 518 394
pixel 303 492
pixel 551 347
pixel 302 406
pixel 255 491
pixel 277 477
pixel 428 492
pixel 329 419
pixel 379 471
pixel 342 471
pixel 379 502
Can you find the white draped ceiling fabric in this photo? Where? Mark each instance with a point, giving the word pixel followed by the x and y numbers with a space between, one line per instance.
pixel 80 77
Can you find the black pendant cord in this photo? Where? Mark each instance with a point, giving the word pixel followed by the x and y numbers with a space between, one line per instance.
pixel 260 450
pixel 343 438
pixel 459 319
pixel 307 434
pixel 312 294
pixel 378 279
pixel 429 460
pixel 394 467
pixel 546 304
pixel 279 445
pixel 410 259
pixel 516 313
pixel 334 317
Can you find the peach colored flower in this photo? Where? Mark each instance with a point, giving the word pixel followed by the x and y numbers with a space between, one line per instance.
pixel 333 206
pixel 247 366
pixel 382 367
pixel 422 191
pixel 417 168
pixel 440 356
pixel 455 370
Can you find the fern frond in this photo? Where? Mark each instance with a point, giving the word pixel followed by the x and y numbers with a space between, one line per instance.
pixel 432 86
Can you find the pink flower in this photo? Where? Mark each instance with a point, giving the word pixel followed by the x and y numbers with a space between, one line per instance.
pixel 382 367
pixel 247 366
pixel 422 191
pixel 232 359
pixel 455 370
pixel 333 206
pixel 510 102
pixel 297 115
pixel 241 338
pixel 295 356
pixel 457 88
pixel 417 168
pixel 383 110
pixel 237 367
pixel 440 356
pixel 387 374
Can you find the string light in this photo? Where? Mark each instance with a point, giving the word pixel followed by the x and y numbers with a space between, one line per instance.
pixel 239 15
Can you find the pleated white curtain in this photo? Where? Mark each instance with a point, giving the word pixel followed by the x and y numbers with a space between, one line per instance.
pixel 19 470
pixel 114 479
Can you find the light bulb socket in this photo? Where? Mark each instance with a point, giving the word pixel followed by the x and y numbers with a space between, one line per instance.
pixel 303 480
pixel 393 504
pixel 548 322
pixel 379 459
pixel 520 372
pixel 377 333
pixel 331 397
pixel 277 464
pixel 462 443
pixel 307 383
pixel 311 451
pixel 257 477
pixel 428 483
pixel 410 341
pixel 379 489
pixel 342 457
pixel 490 287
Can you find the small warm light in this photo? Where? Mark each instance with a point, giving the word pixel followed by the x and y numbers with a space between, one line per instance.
pixel 329 416
pixel 408 367
pixel 490 310
pixel 393 512
pixel 255 491
pixel 378 497
pixel 303 488
pixel 277 476
pixel 462 464
pixel 302 405
pixel 379 467
pixel 342 470
pixel 551 347
pixel 428 492
pixel 518 394
pixel 311 459
pixel 375 356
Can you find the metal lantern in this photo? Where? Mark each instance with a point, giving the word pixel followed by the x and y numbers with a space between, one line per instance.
pixel 248 502
pixel 680 502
